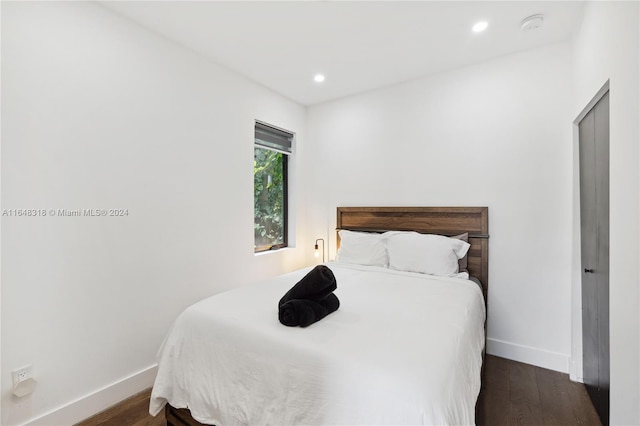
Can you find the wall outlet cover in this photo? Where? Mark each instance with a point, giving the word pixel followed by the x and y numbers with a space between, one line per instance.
pixel 22 374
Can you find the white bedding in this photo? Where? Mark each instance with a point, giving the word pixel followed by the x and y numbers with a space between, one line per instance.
pixel 403 348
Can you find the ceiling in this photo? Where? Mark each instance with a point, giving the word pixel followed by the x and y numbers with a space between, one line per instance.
pixel 357 45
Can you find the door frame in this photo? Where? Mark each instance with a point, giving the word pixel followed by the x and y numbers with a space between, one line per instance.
pixel 575 363
pixel 599 95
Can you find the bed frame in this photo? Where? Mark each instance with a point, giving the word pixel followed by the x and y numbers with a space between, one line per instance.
pixel 427 220
pixel 447 221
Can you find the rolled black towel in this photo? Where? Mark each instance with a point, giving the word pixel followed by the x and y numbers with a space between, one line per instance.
pixel 316 285
pixel 302 312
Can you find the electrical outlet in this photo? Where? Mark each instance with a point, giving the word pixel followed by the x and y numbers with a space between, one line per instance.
pixel 22 374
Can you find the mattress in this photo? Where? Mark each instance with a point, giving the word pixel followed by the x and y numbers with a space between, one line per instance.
pixel 404 348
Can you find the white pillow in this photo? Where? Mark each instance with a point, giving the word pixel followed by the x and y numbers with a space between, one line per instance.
pixel 425 253
pixel 362 248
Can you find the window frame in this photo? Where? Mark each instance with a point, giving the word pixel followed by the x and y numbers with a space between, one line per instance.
pixel 285 152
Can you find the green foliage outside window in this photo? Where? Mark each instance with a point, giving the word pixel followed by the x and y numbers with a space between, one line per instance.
pixel 269 198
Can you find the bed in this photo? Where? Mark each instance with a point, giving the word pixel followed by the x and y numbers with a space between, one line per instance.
pixel 403 348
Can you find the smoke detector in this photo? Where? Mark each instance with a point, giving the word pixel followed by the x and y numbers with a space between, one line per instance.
pixel 532 22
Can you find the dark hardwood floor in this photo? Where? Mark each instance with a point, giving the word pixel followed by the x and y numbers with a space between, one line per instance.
pixel 512 394
pixel 133 411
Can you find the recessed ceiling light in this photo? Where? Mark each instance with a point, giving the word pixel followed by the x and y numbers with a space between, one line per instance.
pixel 318 78
pixel 480 26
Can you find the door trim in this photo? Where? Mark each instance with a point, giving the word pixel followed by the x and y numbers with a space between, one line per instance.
pixel 599 95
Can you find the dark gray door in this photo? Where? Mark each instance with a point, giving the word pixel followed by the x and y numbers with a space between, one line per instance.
pixel 594 219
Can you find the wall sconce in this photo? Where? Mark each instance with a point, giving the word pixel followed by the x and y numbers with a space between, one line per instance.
pixel 316 247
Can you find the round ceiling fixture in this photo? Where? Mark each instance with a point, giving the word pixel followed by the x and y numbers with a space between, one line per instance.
pixel 532 22
pixel 318 78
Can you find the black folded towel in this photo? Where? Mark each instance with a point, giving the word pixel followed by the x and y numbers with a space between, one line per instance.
pixel 316 285
pixel 310 300
pixel 304 312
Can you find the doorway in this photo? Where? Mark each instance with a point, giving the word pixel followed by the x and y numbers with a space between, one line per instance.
pixel 593 141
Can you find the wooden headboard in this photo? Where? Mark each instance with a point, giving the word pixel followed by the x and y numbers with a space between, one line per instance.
pixel 447 221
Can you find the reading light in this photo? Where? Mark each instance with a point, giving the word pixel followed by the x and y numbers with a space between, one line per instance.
pixel 318 78
pixel 317 253
pixel 480 26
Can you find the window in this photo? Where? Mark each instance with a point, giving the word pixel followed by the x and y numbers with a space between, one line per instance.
pixel 271 151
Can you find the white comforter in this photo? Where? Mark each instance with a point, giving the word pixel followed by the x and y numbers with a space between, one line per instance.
pixel 402 349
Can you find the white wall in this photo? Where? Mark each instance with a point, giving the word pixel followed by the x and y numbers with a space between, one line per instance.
pixel 497 134
pixel 607 48
pixel 100 113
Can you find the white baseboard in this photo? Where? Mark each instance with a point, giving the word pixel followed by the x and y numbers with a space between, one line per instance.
pixel 529 355
pixel 99 400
